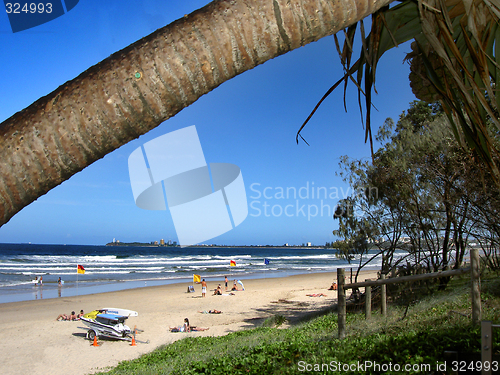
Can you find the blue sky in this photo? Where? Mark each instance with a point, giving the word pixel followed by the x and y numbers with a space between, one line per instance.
pixel 250 121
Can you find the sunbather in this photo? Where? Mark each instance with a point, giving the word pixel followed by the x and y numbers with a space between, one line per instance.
pixel 72 316
pixel 218 291
pixel 199 329
pixel 186 327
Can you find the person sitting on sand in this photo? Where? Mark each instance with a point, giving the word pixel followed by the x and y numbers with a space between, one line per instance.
pixel 235 287
pixel 80 315
pixel 218 291
pixel 333 286
pixel 72 316
pixel 186 327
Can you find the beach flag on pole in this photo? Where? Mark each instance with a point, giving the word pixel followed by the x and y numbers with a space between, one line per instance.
pixel 80 269
pixel 232 263
pixel 196 278
pixel 266 261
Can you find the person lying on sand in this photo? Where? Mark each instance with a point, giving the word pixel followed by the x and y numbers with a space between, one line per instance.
pixel 72 316
pixel 194 328
pixel 211 312
pixel 317 295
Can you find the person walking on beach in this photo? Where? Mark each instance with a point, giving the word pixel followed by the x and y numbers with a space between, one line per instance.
pixel 225 280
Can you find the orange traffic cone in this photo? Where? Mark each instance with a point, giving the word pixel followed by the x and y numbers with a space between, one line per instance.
pixel 133 341
pixel 95 341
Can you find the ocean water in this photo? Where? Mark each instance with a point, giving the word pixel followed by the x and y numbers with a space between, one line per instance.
pixel 112 268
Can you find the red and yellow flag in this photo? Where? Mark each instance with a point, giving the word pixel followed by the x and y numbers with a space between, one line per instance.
pixel 196 278
pixel 232 263
pixel 80 269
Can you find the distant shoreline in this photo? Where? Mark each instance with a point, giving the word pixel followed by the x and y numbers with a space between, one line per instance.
pixel 145 244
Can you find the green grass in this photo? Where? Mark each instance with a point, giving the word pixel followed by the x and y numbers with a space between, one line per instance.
pixel 431 326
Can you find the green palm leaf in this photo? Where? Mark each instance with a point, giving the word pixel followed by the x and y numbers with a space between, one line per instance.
pixel 459 53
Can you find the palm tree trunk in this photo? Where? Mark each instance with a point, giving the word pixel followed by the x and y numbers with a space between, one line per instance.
pixel 139 87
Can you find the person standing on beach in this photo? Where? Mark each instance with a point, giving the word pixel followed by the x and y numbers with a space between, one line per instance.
pixel 225 280
pixel 203 288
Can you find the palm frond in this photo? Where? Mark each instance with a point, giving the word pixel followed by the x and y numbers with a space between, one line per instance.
pixel 459 52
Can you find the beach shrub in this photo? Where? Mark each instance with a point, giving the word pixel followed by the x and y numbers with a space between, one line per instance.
pixel 274 321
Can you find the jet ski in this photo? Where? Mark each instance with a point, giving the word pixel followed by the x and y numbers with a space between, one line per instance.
pixel 106 323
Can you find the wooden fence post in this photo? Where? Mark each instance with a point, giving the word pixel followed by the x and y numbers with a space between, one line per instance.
pixel 475 285
pixel 368 301
pixel 383 297
pixel 341 302
pixel 486 345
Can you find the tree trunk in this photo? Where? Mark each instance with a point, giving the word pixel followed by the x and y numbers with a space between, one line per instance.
pixel 139 87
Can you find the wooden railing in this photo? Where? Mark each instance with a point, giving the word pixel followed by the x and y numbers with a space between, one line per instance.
pixel 342 287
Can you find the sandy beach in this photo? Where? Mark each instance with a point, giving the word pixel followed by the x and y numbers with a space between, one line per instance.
pixel 32 341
